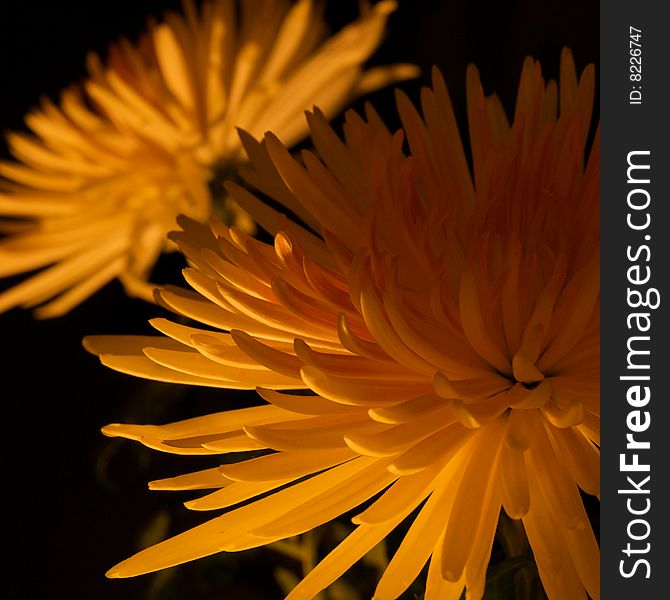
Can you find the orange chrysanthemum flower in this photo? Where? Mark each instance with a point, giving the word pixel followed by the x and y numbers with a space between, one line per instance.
pixel 105 174
pixel 447 326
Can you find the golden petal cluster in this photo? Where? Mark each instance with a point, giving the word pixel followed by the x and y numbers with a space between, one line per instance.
pixel 100 178
pixel 436 315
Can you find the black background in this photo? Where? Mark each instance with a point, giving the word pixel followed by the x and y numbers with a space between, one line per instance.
pixel 77 502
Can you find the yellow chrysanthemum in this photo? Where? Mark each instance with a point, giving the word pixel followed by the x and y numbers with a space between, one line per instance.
pixel 105 174
pixel 447 325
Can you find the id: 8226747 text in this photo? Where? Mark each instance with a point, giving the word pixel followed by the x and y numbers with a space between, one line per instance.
pixel 635 65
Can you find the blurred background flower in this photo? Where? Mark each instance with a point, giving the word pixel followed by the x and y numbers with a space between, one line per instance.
pixel 101 482
pixel 151 132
